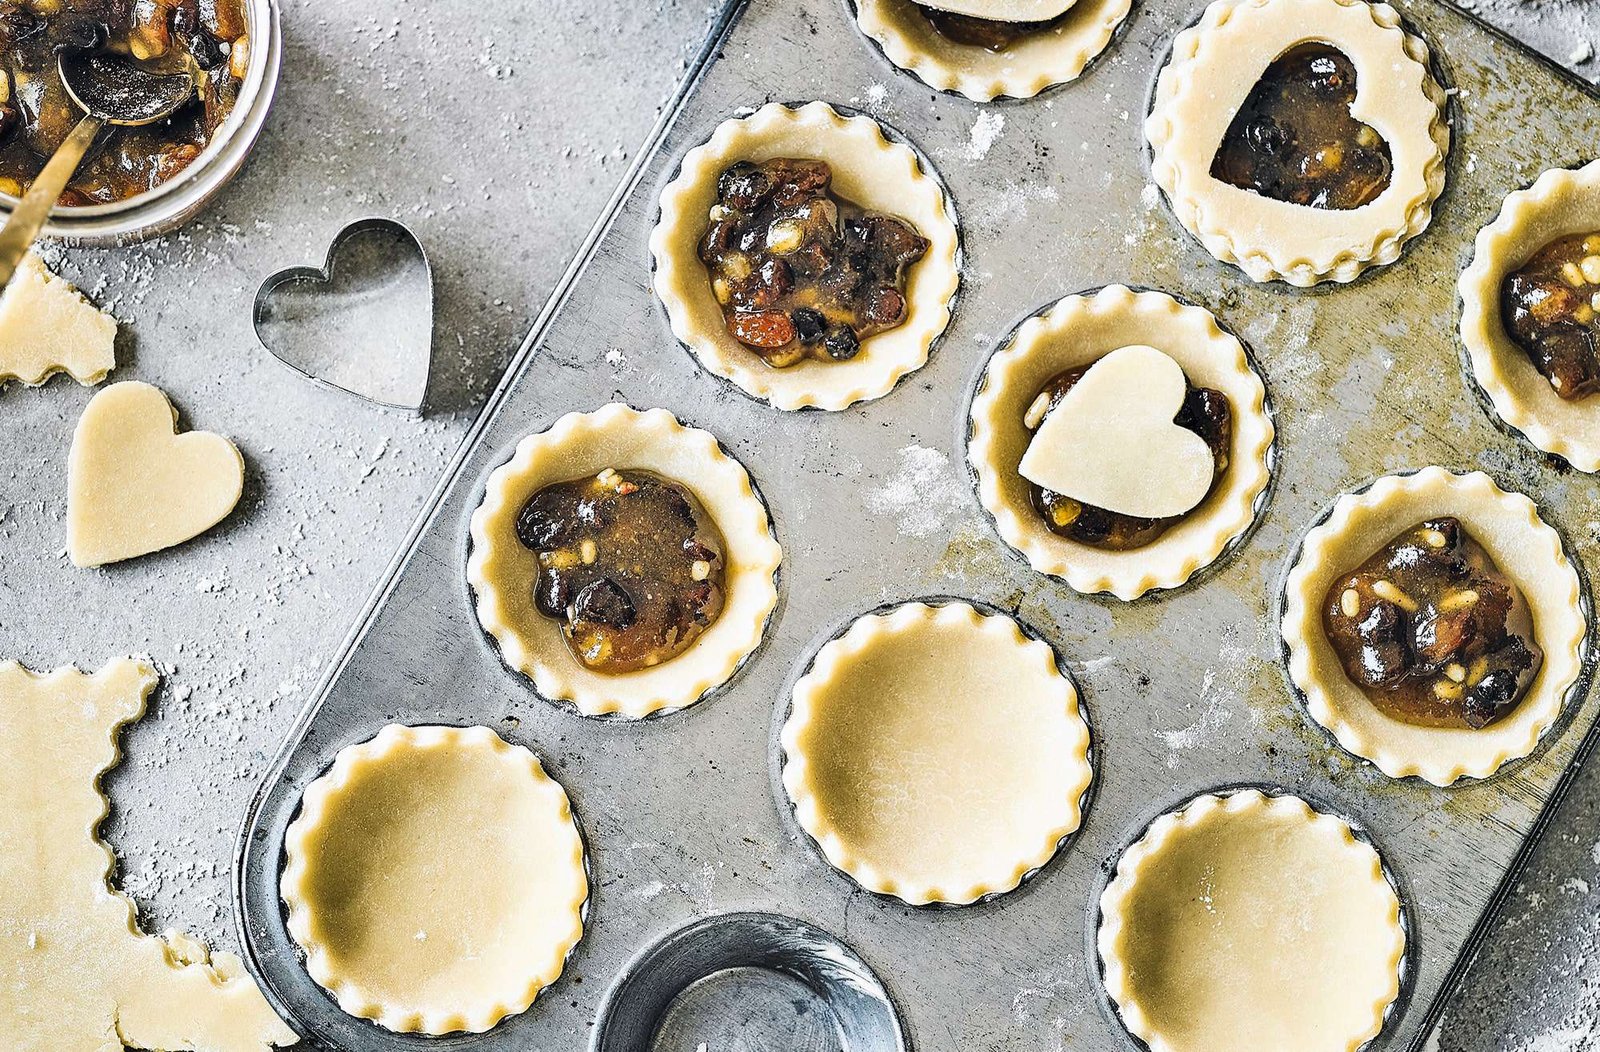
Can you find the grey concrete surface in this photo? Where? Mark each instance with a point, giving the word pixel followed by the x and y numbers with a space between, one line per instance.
pixel 497 131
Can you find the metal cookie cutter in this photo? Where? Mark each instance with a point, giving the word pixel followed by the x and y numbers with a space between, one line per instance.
pixel 361 323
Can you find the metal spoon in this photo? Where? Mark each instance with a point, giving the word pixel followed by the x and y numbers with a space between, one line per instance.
pixel 110 89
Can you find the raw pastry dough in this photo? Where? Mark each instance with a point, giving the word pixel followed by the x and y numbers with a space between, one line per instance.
pixel 502 571
pixel 1053 55
pixel 1560 203
pixel 1004 10
pixel 1251 922
pixel 135 486
pixel 936 753
pixel 1213 68
pixel 435 879
pixel 47 327
pixel 1112 441
pixel 1081 329
pixel 1527 551
pixel 869 170
pixel 76 974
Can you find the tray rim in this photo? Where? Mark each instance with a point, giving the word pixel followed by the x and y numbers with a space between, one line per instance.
pixel 709 51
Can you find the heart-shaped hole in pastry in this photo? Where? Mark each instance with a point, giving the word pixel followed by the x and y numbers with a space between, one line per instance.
pixel 1295 139
pixel 1125 448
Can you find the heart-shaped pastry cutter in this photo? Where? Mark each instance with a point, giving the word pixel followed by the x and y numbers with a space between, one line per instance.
pixel 362 323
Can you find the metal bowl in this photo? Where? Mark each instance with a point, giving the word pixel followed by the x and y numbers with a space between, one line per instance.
pixel 177 200
pixel 748 980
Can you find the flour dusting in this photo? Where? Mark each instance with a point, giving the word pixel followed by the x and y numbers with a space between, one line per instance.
pixel 985 131
pixel 921 495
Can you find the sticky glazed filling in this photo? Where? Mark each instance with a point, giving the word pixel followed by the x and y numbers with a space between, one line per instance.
pixel 1205 412
pixel 1551 310
pixel 205 37
pixel 630 564
pixel 1295 140
pixel 987 33
pixel 1431 630
pixel 799 271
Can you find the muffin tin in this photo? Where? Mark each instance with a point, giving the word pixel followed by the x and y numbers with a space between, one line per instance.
pixel 684 814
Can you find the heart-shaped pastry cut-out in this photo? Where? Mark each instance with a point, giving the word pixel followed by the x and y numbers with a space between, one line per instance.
pixel 1295 140
pixel 361 323
pixel 1111 441
pixel 135 486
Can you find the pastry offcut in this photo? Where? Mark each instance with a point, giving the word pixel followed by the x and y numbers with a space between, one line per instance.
pixel 509 577
pixel 1300 140
pixel 1517 544
pixel 936 753
pixel 435 879
pixel 47 327
pixel 1248 921
pixel 79 974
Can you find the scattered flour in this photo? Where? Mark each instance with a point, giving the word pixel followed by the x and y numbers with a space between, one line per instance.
pixel 921 495
pixel 1010 202
pixel 985 131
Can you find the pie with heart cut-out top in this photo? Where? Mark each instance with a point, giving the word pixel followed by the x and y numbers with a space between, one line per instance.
pixel 1300 140
pixel 1121 441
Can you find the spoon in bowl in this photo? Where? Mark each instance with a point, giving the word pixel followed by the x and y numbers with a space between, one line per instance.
pixel 112 90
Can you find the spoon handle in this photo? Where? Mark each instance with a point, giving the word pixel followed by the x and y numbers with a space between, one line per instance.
pixel 31 212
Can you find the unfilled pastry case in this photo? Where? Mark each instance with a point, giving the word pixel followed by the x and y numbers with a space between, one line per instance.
pixel 685 815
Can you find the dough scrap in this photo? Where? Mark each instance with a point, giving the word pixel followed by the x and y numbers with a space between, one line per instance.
pixel 1111 441
pixel 135 486
pixel 76 974
pixel 47 327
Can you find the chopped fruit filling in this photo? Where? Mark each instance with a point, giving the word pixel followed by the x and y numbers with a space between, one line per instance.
pixel 987 33
pixel 799 272
pixel 1205 412
pixel 629 563
pixel 1294 139
pixel 206 37
pixel 1432 631
pixel 1550 306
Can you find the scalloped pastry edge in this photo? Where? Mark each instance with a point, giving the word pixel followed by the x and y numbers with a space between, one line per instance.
pixel 870 630
pixel 1543 419
pixel 1193 815
pixel 724 489
pixel 1192 336
pixel 1042 60
pixel 1193 193
pixel 322 796
pixel 874 173
pixel 38 308
pixel 1559 625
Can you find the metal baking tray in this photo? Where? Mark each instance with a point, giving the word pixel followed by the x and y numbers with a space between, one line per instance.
pixel 684 815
